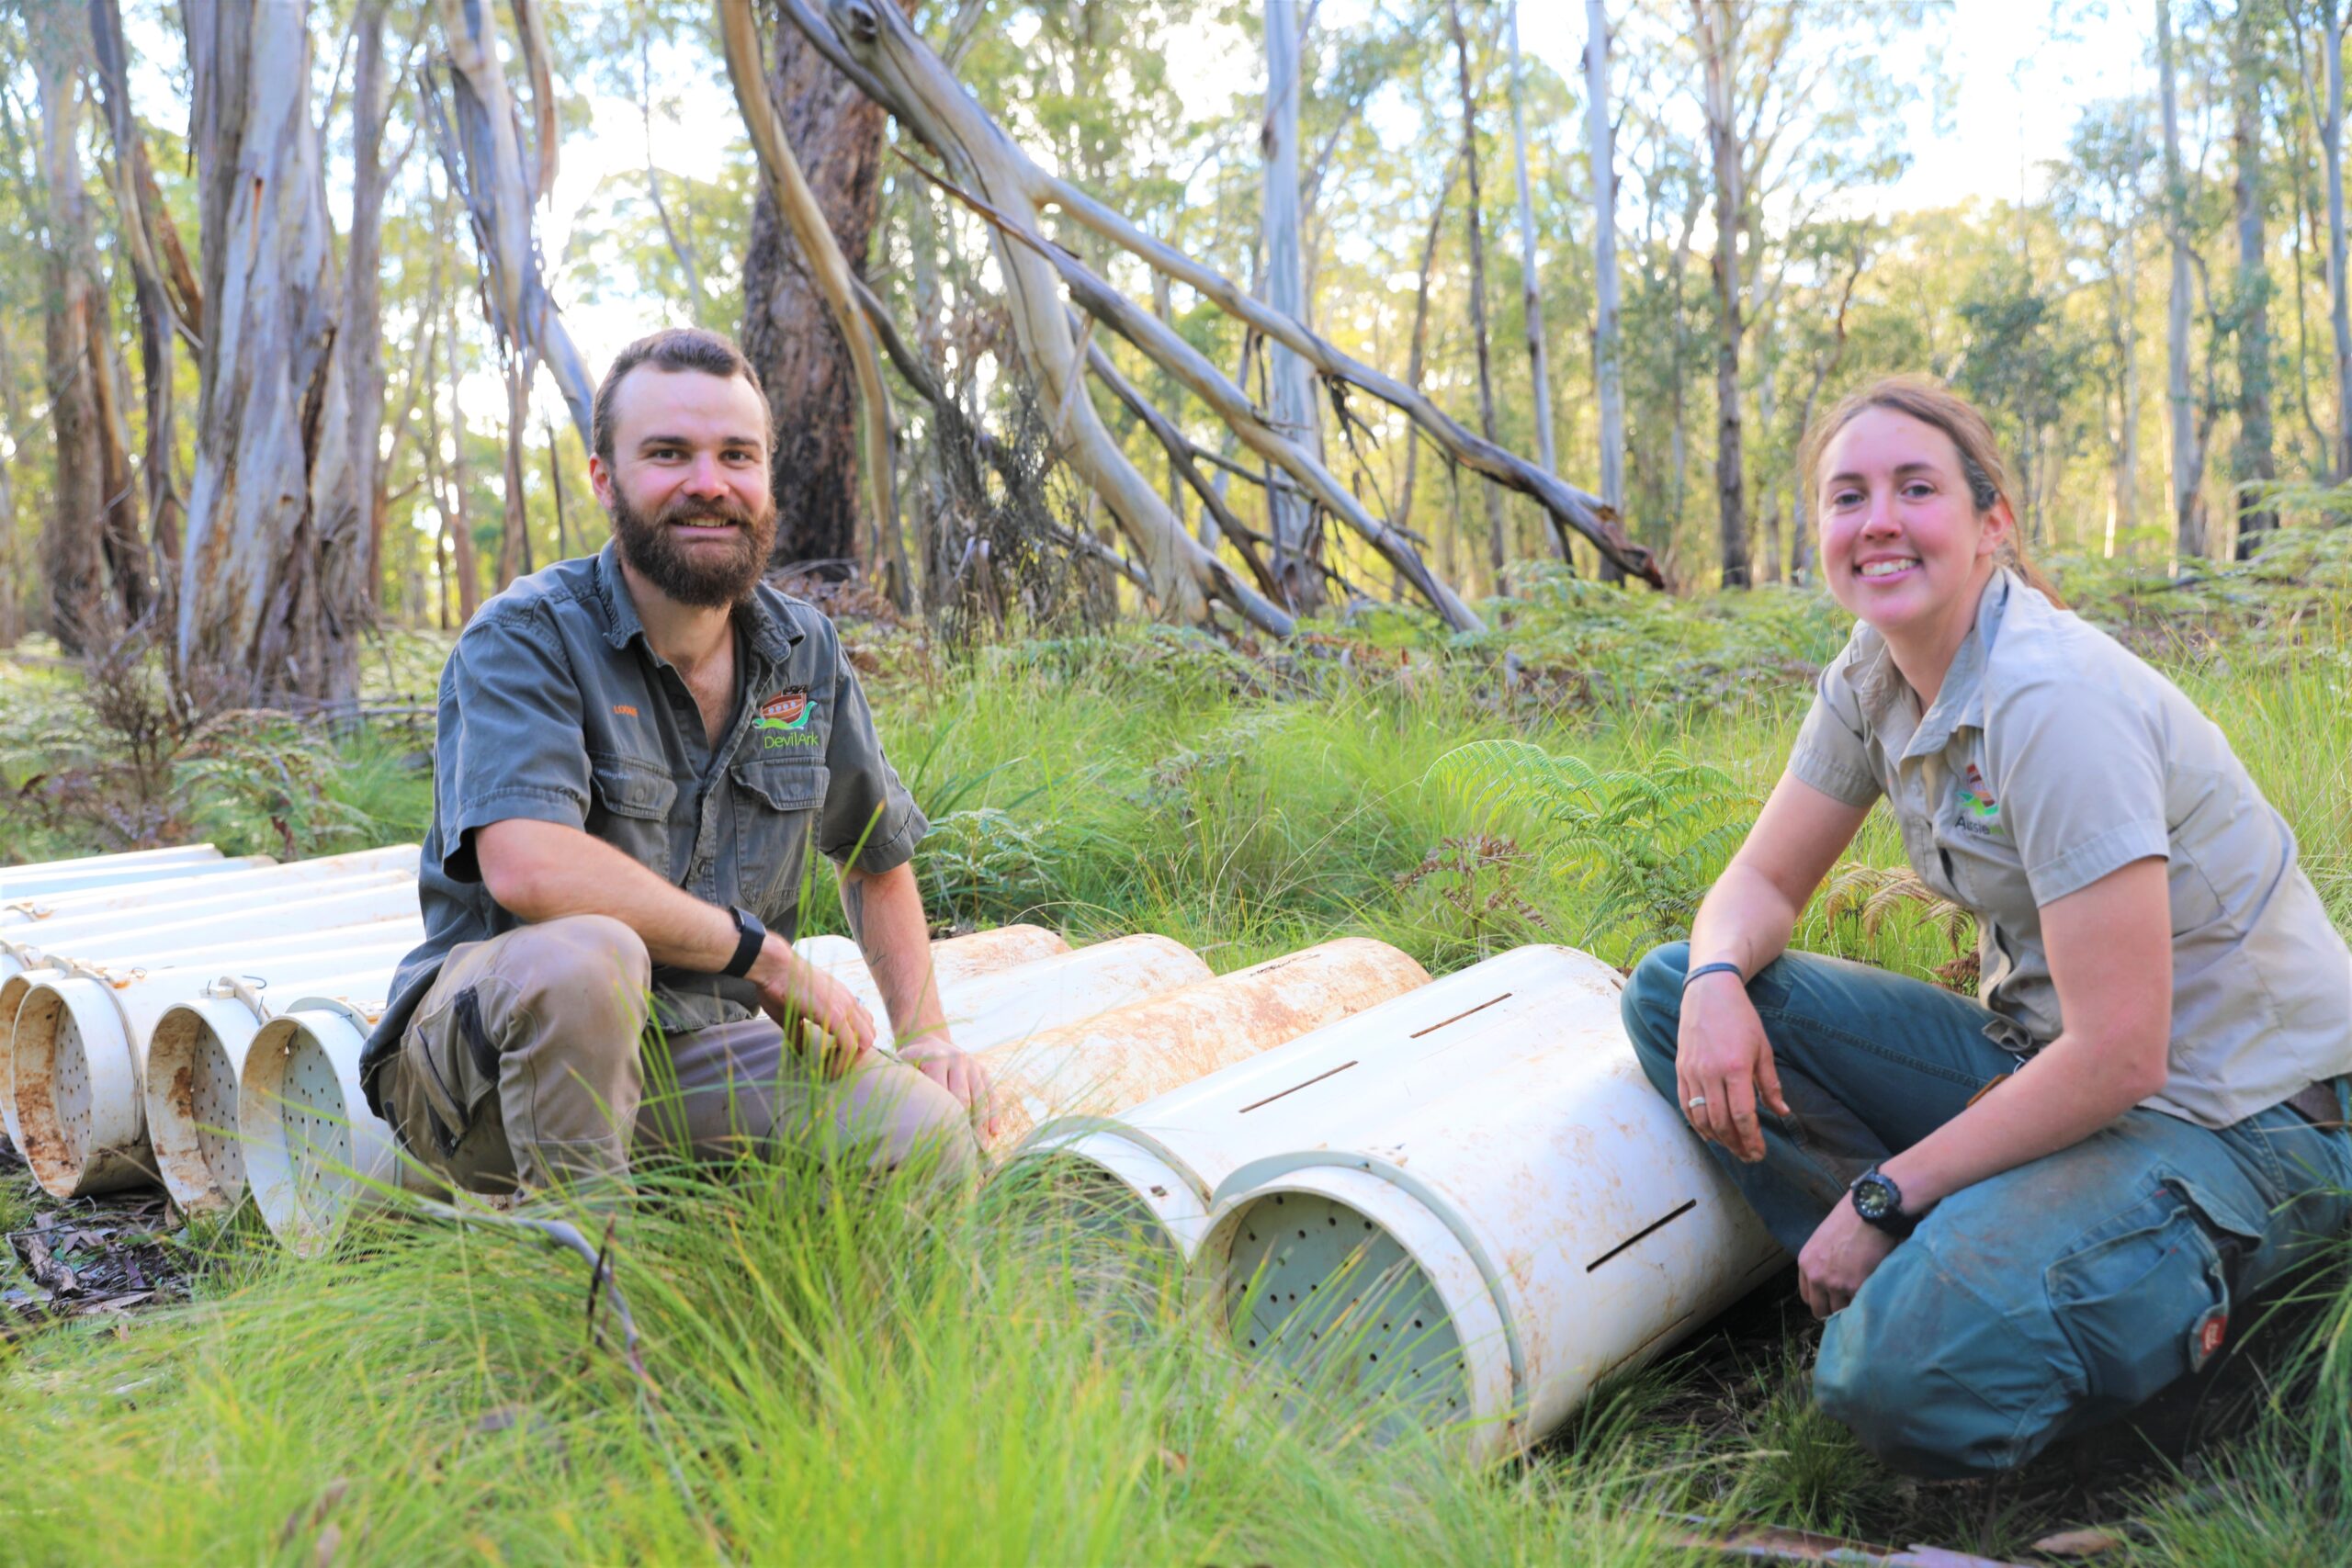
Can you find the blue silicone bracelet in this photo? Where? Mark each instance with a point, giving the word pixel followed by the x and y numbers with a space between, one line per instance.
pixel 1721 966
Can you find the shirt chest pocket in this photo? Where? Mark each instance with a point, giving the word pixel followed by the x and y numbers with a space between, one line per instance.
pixel 631 809
pixel 776 808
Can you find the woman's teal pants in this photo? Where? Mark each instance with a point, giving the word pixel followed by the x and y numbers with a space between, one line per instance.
pixel 2040 1301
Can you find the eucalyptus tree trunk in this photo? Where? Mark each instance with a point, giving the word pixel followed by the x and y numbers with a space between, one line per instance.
pixel 789 334
pixel 12 578
pixel 1478 290
pixel 95 562
pixel 1608 375
pixel 1294 523
pixel 2187 448
pixel 2339 294
pixel 272 510
pixel 363 311
pixel 2252 464
pixel 501 177
pixel 1718 39
pixel 151 244
pixel 1416 355
pixel 1531 277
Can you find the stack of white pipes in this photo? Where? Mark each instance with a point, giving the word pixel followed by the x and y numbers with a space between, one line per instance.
pixel 90 964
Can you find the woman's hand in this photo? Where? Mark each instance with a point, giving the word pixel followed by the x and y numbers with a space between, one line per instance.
pixel 1843 1252
pixel 1722 1062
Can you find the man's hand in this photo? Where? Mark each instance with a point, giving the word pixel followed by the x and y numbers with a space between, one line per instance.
pixel 1844 1250
pixel 792 988
pixel 957 1073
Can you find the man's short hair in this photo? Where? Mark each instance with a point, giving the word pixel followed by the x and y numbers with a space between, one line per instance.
pixel 673 348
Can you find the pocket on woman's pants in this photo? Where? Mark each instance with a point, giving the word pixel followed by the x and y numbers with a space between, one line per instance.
pixel 2145 1298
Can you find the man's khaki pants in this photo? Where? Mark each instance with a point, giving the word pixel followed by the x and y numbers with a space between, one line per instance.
pixel 528 1061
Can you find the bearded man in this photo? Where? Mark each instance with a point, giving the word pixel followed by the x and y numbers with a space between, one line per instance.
pixel 634 752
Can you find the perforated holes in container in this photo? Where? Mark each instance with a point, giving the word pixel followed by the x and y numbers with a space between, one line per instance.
pixel 212 1111
pixel 69 1087
pixel 317 1132
pixel 1338 1305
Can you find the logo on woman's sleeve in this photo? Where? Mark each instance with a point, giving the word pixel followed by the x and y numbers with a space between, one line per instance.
pixel 783 719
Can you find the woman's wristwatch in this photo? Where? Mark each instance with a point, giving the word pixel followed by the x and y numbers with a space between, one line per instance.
pixel 1880 1202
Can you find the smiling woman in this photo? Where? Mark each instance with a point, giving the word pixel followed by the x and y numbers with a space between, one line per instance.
pixel 2029 1212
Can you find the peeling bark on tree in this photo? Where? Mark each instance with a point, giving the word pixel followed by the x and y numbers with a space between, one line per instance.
pixel 143 223
pixel 82 543
pixel 273 516
pixel 500 179
pixel 1608 373
pixel 788 335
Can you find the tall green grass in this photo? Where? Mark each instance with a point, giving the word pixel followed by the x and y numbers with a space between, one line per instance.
pixel 855 1373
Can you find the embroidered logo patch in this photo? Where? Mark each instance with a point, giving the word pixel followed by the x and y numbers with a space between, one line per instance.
pixel 784 718
pixel 1979 812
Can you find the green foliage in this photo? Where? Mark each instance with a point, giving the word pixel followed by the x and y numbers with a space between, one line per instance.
pixel 1643 842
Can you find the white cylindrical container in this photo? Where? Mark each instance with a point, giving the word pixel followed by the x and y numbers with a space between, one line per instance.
pixel 987 1011
pixel 133 897
pixel 1128 1055
pixel 131 865
pixel 195 1058
pixel 1157 1163
pixel 194 916
pixel 1485 1258
pixel 953 961
pixel 183 875
pixel 79 1054
pixel 315 1152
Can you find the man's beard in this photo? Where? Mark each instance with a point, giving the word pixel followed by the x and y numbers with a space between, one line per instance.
pixel 695 575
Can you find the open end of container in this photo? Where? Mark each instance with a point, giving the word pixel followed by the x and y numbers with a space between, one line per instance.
pixel 175 1088
pixel 211 1107
pixel 52 1101
pixel 1101 1203
pixel 1324 1294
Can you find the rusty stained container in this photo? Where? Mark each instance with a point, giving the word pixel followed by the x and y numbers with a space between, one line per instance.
pixel 991 1011
pixel 196 1058
pixel 1477 1262
pixel 1130 1055
pixel 136 898
pixel 101 871
pixel 80 1056
pixel 1155 1167
pixel 232 940
pixel 315 1152
pixel 953 961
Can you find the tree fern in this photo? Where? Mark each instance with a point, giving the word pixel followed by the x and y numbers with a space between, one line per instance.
pixel 1643 843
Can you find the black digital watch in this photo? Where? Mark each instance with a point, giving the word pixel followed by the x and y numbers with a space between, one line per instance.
pixel 750 936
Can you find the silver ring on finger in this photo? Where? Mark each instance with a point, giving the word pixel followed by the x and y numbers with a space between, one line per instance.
pixel 1697 1102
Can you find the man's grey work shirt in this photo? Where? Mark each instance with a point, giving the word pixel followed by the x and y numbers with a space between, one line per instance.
pixel 2052 756
pixel 553 708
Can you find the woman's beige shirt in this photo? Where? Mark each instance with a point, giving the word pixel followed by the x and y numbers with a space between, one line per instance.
pixel 2054 756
